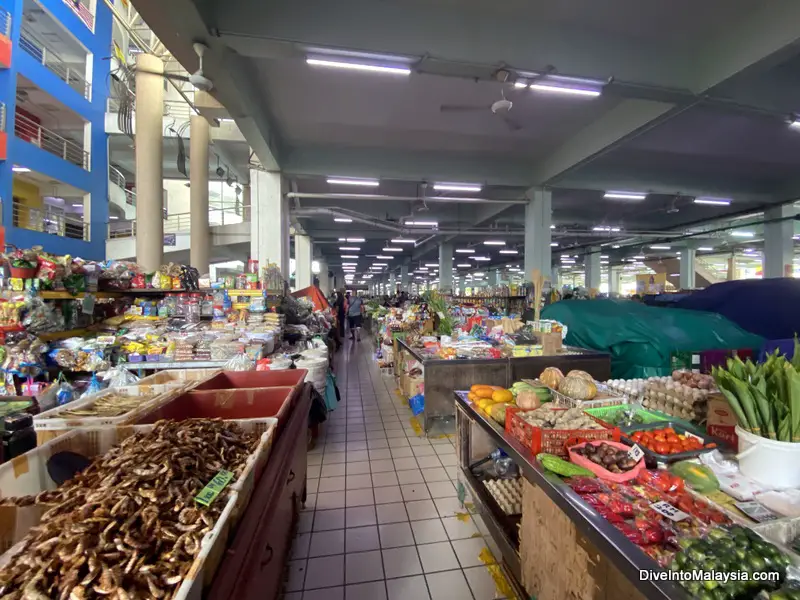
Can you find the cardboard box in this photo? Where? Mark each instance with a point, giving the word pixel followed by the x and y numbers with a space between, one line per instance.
pixel 414 386
pixel 722 420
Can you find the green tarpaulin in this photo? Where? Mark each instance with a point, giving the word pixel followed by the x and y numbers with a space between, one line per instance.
pixel 641 338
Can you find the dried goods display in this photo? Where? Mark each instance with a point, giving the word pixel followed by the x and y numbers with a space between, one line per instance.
pixel 109 404
pixel 550 417
pixel 128 526
pixel 611 458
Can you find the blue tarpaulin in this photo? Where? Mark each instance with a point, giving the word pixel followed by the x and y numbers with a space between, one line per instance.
pixel 766 307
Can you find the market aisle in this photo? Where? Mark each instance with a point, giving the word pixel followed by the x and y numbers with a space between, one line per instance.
pixel 382 521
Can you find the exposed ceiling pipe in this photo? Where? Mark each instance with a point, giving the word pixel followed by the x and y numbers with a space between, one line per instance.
pixel 433 199
pixel 348 214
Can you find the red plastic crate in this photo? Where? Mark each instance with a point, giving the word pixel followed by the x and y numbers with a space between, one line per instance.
pixel 554 441
pixel 255 403
pixel 231 380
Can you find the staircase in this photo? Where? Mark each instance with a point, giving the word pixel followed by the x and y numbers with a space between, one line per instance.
pixel 118 196
pixel 703 278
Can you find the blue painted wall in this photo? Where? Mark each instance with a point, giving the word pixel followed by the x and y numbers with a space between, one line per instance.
pixel 94 181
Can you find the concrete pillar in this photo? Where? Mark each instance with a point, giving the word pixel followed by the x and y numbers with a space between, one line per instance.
pixel 404 278
pixel 246 202
pixel 492 277
pixel 732 267
pixel 687 268
pixel 613 279
pixel 149 162
pixel 592 267
pixel 269 221
pixel 324 279
pixel 392 284
pixel 537 233
pixel 303 251
pixel 199 232
pixel 555 278
pixel 446 267
pixel 778 242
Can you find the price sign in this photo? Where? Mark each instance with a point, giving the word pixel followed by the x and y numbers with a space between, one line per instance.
pixel 636 453
pixel 667 510
pixel 689 434
pixel 213 488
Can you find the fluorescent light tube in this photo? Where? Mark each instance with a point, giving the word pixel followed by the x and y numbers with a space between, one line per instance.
pixel 336 64
pixel 746 234
pixel 343 220
pixel 480 258
pixel 553 244
pixel 509 252
pixel 465 251
pixel 705 249
pixel 17 169
pixel 349 264
pixel 520 84
pixel 380 265
pixel 382 257
pixel 392 249
pixel 624 195
pixel 494 243
pixel 660 247
pixel 349 256
pixel 457 187
pixel 432 265
pixel 355 240
pixel 795 124
pixel 639 257
pixel 113 218
pixel 77 206
pixel 403 241
pixel 353 181
pixel 421 269
pixel 422 223
pixel 349 248
pixel 557 89
pixel 463 265
pixel 711 200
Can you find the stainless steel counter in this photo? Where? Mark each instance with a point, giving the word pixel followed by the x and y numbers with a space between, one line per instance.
pixel 624 554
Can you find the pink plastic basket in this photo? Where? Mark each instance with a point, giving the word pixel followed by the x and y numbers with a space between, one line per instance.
pixel 584 462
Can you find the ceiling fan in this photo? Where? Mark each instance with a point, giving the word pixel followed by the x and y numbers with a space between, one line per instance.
pixel 501 107
pixel 197 79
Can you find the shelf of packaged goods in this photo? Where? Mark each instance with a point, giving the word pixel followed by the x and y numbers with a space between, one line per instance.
pixel 62 335
pixel 609 541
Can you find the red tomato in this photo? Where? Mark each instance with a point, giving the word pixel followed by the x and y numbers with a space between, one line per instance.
pixel 661 448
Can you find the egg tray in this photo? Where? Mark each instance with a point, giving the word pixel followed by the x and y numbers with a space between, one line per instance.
pixel 509 491
pixel 508 523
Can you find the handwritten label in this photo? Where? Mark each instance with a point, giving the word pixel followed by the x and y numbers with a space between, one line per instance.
pixel 213 488
pixel 636 453
pixel 667 510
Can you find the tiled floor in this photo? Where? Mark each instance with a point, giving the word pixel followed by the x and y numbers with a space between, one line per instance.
pixel 382 520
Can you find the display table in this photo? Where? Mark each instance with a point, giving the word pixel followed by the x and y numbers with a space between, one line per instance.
pixel 566 549
pixel 252 567
pixel 443 376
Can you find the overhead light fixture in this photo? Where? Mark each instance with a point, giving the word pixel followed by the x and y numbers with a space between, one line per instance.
pixel 355 240
pixel 432 265
pixel 349 264
pixel 509 252
pixel 494 243
pixel 558 89
pixel 602 228
pixel 17 169
pixel 352 66
pixel 480 258
pixel 618 195
pixel 457 187
pixel 380 265
pixel 113 218
pixel 353 181
pixel 463 265
pixel 392 249
pixel 568 261
pixel 343 220
pixel 520 84
pixel 712 200
pixel 552 226
pixel 349 255
pixel 744 234
pixel 553 244
pixel 403 241
pixel 77 206
pixel 349 248
pixel 422 223
pixel 615 246
pixel 381 257
pixel 705 249
pixel 465 251
pixel 795 124
pixel 661 247
pixel 639 257
pixel 421 269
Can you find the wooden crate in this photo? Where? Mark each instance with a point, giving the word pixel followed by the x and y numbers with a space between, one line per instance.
pixel 557 562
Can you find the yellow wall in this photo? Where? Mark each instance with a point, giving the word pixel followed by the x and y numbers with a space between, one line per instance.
pixel 28 196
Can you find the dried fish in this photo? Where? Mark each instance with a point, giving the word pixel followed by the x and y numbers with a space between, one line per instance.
pixel 128 526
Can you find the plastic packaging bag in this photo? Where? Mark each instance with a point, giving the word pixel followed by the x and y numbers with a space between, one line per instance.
pixel 240 362
pixel 65 393
pixel 93 387
pixel 119 376
pixel 698 477
pixel 417 404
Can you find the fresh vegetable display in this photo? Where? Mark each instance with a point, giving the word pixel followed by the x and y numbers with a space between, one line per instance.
pixel 550 417
pixel 729 550
pixel 529 396
pixel 562 467
pixel 764 397
pixel 610 458
pixel 578 388
pixel 552 377
pixel 668 441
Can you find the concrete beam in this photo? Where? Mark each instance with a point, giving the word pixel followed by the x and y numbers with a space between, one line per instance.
pixel 178 24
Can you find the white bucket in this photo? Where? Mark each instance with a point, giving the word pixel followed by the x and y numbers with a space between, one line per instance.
pixel 773 464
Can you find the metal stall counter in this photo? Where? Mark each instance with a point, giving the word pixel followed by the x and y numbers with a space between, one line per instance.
pixel 440 377
pixel 560 548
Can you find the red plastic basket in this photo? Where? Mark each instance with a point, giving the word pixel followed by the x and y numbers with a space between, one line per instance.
pixel 23 272
pixel 554 441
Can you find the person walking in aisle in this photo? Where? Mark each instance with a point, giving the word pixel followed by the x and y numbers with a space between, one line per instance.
pixel 340 313
pixel 354 307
